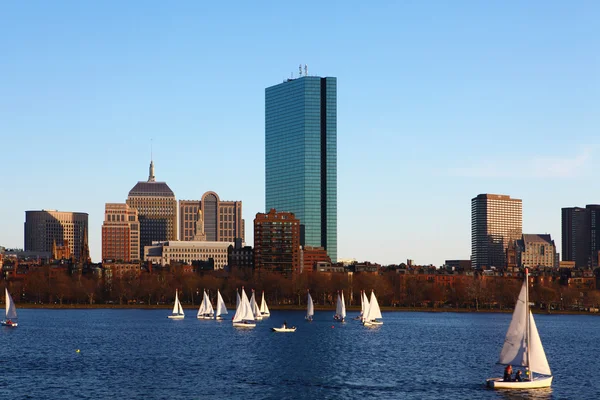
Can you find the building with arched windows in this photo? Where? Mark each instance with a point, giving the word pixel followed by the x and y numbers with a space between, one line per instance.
pixel 222 220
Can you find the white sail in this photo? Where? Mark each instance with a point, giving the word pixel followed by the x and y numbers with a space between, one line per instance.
pixel 264 309
pixel 366 304
pixel 343 312
pixel 177 309
pixel 537 357
pixel 237 299
pixel 338 306
pixel 202 308
pixel 11 310
pixel 254 307
pixel 209 308
pixel 221 308
pixel 514 351
pixel 362 304
pixel 373 312
pixel 310 307
pixel 244 310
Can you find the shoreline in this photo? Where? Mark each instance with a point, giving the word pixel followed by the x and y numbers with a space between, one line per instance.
pixel 287 308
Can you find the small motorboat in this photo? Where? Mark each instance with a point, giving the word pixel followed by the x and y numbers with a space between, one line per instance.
pixel 284 329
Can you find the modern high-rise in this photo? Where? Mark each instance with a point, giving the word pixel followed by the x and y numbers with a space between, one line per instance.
pixel 222 219
pixel 46 229
pixel 277 242
pixel 496 220
pixel 581 235
pixel 120 233
pixel 157 210
pixel 301 156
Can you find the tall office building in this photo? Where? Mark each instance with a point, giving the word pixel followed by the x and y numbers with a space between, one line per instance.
pixel 581 235
pixel 46 229
pixel 277 242
pixel 496 220
pixel 300 156
pixel 222 219
pixel 157 210
pixel 120 233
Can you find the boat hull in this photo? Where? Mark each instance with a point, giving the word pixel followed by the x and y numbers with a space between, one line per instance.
pixel 293 329
pixel 9 324
pixel 536 383
pixel 176 316
pixel 244 324
pixel 372 323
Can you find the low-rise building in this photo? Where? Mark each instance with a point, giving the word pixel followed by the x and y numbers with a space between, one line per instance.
pixel 165 253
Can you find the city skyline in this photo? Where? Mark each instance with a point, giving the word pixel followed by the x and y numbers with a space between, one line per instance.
pixel 437 104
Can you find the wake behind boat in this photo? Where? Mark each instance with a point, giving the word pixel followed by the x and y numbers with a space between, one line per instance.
pixel 10 312
pixel 523 348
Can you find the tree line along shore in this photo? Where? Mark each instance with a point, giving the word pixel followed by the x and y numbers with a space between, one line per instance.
pixel 43 287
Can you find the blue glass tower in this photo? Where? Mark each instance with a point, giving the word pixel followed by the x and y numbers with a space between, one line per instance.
pixel 301 156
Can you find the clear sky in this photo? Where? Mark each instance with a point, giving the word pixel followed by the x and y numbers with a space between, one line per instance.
pixel 438 101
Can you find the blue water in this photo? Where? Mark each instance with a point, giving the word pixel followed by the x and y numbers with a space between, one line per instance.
pixel 127 354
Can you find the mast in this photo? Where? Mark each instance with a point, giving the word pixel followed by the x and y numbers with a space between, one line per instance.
pixel 527 324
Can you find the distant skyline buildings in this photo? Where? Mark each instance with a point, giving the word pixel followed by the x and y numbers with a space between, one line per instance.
pixel 45 230
pixel 301 156
pixel 157 210
pixel 581 235
pixel 120 233
pixel 277 242
pixel 496 221
pixel 223 221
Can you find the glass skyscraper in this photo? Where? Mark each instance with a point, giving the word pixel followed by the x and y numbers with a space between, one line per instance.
pixel 301 156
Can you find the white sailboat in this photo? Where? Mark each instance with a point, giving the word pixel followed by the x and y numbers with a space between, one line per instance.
pixel 364 305
pixel 340 308
pixel 310 309
pixel 177 309
pixel 255 308
pixel 244 317
pixel 206 310
pixel 221 308
pixel 373 312
pixel 10 314
pixel 523 347
pixel 264 309
pixel 238 300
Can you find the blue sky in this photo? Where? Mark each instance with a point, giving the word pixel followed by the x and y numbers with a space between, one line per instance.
pixel 437 102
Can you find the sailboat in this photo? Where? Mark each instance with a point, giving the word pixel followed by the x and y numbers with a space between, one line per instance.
pixel 264 309
pixel 254 306
pixel 362 306
pixel 206 310
pixel 244 317
pixel 340 308
pixel 221 308
pixel 523 347
pixel 310 309
pixel 11 311
pixel 372 312
pixel 177 309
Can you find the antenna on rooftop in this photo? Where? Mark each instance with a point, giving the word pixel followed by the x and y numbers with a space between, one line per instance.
pixel 305 70
pixel 300 70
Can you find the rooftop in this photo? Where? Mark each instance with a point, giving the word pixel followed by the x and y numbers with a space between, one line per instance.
pixel 151 189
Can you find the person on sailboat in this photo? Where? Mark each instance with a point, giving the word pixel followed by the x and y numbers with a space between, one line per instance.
pixel 508 373
pixel 284 324
pixel 518 377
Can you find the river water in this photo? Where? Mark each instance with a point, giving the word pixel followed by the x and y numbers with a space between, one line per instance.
pixel 141 354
